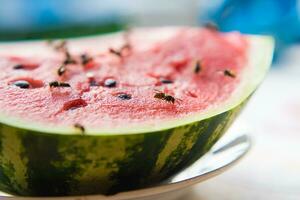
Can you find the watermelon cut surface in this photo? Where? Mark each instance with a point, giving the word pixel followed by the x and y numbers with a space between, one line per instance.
pixel 124 111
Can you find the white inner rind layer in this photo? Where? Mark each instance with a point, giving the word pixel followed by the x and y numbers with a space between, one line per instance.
pixel 259 59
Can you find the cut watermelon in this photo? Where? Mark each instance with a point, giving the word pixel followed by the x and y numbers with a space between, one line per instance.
pixel 121 111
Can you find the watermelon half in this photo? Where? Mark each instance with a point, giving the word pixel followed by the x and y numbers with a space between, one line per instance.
pixel 121 111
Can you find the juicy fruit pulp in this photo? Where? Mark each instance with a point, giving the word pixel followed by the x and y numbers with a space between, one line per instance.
pixel 116 87
pixel 140 107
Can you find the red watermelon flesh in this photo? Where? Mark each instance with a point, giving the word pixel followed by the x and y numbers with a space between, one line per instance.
pixel 158 61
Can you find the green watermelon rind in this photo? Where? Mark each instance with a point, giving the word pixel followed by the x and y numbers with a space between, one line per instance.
pixel 38 164
pixel 34 162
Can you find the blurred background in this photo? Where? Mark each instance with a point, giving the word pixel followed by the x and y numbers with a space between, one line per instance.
pixel 272 168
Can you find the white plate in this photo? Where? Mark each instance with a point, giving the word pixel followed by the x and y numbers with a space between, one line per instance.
pixel 231 148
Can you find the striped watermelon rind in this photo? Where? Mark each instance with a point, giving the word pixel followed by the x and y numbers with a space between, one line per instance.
pixel 36 161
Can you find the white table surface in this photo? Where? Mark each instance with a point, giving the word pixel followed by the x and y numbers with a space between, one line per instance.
pixel 272 168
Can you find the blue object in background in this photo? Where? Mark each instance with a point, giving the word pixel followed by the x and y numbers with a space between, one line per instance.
pixel 32 19
pixel 279 18
pixel 35 15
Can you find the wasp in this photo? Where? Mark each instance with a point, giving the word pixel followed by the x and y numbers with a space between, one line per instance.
pixel 68 58
pixel 211 26
pixel 198 67
pixel 120 52
pixel 164 96
pixel 59 84
pixel 85 59
pixel 58 45
pixel 229 73
pixel 80 127
pixel 116 52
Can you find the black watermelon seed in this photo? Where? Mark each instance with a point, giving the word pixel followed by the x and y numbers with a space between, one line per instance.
pixel 19 66
pixel 94 83
pixel 110 83
pixel 166 81
pixel 22 84
pixel 124 96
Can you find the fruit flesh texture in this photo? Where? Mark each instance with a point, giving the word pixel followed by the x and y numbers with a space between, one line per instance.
pixel 137 73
